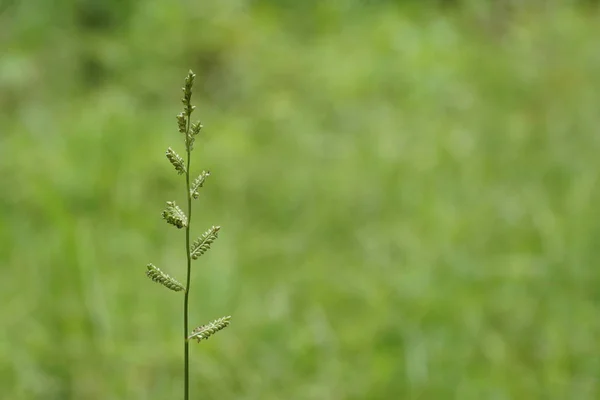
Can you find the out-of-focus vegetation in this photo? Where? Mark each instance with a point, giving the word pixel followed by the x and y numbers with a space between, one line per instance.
pixel 409 196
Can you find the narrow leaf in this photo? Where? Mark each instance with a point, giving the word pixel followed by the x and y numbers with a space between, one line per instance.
pixel 198 183
pixel 174 215
pixel 206 331
pixel 176 160
pixel 157 275
pixel 203 243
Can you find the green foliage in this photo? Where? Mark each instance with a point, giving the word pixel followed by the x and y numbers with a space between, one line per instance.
pixel 409 195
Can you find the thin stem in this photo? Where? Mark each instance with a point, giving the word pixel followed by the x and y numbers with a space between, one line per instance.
pixel 186 348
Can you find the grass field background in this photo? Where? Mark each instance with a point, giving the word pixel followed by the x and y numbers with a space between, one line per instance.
pixel 408 194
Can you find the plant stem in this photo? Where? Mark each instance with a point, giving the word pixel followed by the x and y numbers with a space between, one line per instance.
pixel 186 348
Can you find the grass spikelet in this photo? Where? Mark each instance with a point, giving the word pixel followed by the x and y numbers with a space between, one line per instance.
pixel 158 276
pixel 203 243
pixel 176 160
pixel 174 215
pixel 198 183
pixel 206 331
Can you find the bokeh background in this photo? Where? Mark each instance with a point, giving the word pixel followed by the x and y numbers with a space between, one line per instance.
pixel 408 190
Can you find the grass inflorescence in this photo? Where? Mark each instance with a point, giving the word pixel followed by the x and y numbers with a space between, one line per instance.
pixel 179 218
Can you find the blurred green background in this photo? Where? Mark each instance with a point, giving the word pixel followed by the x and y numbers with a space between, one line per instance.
pixel 408 190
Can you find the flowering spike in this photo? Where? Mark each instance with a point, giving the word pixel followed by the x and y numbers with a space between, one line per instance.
pixel 198 183
pixel 176 160
pixel 206 331
pixel 157 275
pixel 196 128
pixel 188 108
pixel 182 123
pixel 191 137
pixel 174 215
pixel 203 243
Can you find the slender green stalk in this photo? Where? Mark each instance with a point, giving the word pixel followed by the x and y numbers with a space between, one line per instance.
pixel 177 217
pixel 186 298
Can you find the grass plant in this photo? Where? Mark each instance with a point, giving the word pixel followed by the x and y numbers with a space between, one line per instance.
pixel 175 216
